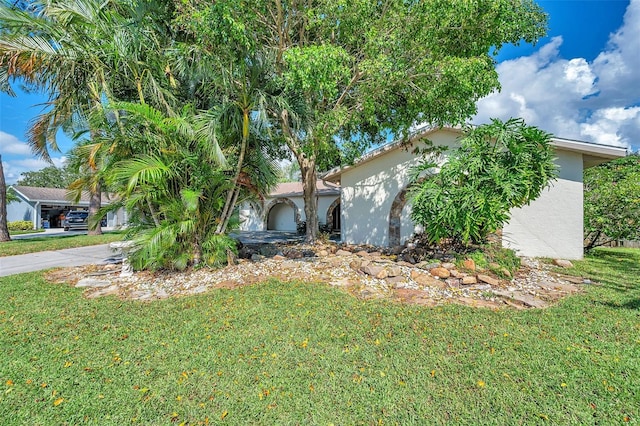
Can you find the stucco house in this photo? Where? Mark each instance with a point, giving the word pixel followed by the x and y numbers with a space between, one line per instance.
pixel 283 208
pixel 44 206
pixel 374 207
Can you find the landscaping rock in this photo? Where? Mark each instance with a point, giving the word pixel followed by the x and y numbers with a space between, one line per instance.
pixel 562 263
pixel 440 272
pixel 396 282
pixel 93 282
pixel 469 280
pixel 375 271
pixel 426 280
pixel 469 264
pixel 489 280
pixel 448 265
pixel 343 253
pixel 394 271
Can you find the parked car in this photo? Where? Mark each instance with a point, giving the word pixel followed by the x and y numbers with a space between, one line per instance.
pixel 76 219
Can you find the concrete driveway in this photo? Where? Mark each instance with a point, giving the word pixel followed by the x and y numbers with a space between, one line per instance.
pixel 11 265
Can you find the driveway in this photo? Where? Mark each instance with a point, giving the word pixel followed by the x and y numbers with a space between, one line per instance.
pixel 12 265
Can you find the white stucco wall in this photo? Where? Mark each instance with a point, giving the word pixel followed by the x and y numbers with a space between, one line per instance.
pixel 552 225
pixel 251 219
pixel 20 210
pixel 368 191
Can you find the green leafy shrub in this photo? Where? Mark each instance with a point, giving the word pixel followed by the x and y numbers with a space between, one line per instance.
pixel 20 225
pixel 499 166
pixel 494 258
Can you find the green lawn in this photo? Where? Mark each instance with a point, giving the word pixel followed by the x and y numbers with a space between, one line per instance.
pixel 283 353
pixel 35 244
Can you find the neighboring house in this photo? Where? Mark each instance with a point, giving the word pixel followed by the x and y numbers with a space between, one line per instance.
pixel 283 209
pixel 43 207
pixel 374 205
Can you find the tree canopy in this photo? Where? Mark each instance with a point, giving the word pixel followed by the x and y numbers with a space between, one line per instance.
pixel 612 202
pixel 49 177
pixel 357 71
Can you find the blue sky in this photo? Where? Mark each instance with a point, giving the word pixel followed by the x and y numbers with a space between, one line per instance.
pixel 581 82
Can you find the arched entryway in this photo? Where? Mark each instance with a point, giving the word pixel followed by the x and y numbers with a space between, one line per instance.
pixel 281 214
pixel 395 217
pixel 333 215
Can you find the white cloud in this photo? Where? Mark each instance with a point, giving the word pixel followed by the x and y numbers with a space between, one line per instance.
pixel 573 98
pixel 9 144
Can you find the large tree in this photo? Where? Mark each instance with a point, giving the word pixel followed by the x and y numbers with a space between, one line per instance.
pixel 49 177
pixel 358 71
pixel 612 202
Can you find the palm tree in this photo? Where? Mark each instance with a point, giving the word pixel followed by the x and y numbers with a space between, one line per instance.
pixel 81 52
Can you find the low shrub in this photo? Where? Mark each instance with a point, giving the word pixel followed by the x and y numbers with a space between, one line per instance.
pixel 20 225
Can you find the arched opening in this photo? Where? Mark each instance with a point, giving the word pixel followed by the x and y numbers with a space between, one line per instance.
pixel 400 224
pixel 282 214
pixel 395 217
pixel 333 215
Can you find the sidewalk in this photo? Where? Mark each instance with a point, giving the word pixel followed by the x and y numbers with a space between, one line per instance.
pixel 12 265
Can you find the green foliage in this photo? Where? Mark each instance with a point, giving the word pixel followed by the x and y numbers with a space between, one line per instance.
pixel 495 258
pixel 49 177
pixel 499 166
pixel 612 201
pixel 20 225
pixel 355 72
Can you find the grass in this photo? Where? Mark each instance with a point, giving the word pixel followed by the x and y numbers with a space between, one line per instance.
pixel 36 244
pixel 298 353
pixel 29 231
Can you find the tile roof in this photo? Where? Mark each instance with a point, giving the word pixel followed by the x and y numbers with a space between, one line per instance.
pixel 295 188
pixel 52 195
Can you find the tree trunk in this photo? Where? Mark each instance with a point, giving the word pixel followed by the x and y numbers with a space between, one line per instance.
pixel 95 200
pixel 4 230
pixel 309 189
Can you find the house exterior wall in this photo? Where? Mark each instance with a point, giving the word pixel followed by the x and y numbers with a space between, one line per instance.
pixel 252 220
pixel 21 210
pixel 368 191
pixel 552 225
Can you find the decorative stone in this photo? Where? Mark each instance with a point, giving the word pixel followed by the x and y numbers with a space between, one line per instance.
pixel 278 257
pixel 505 272
pixel 93 282
pixel 375 271
pixel 562 263
pixel 426 280
pixel 469 264
pixel 394 271
pixel 396 282
pixel 440 272
pixel 453 282
pixel 363 253
pixel 343 253
pixel 469 280
pixel 355 264
pixel 294 254
pixel 322 253
pixel 256 257
pixel 448 265
pixel 489 280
